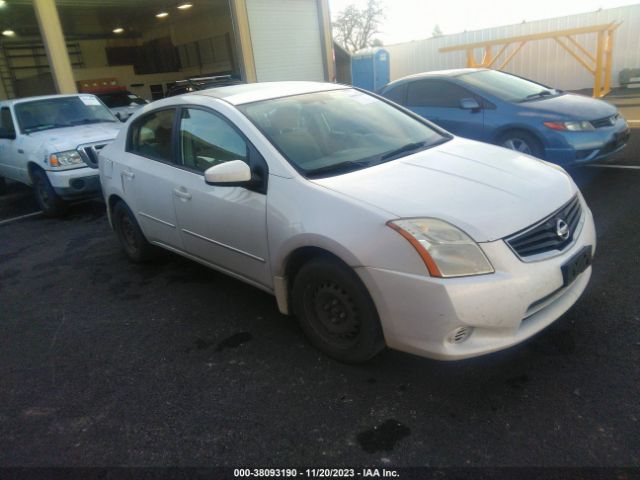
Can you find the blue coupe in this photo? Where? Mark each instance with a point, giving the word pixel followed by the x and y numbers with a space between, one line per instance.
pixel 507 110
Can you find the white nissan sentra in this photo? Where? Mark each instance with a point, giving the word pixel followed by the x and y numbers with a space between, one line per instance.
pixel 371 225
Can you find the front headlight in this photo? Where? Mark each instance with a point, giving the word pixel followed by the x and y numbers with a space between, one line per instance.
pixel 65 159
pixel 583 126
pixel 446 250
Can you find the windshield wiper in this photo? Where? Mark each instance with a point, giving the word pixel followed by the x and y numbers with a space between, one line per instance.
pixel 409 147
pixel 87 121
pixel 341 167
pixel 541 93
pixel 41 127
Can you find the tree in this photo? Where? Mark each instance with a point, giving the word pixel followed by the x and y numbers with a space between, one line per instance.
pixel 354 28
pixel 436 31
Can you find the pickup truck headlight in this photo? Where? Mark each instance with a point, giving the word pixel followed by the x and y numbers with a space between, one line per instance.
pixel 65 159
pixel 446 250
pixel 583 126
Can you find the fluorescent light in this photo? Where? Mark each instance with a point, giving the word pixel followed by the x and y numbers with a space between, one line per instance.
pixel 185 6
pixel 162 14
pixel 118 30
pixel 9 33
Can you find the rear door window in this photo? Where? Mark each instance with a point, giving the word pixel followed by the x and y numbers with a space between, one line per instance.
pixel 151 135
pixel 6 122
pixel 436 93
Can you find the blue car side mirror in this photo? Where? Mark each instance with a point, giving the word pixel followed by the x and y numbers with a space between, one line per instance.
pixel 469 104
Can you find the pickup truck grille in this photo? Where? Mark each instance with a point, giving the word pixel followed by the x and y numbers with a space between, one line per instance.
pixel 553 233
pixel 89 153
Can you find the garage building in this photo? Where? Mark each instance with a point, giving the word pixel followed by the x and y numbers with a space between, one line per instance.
pixel 50 46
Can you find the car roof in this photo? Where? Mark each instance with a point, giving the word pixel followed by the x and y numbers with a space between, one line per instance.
pixel 15 101
pixel 255 92
pixel 454 72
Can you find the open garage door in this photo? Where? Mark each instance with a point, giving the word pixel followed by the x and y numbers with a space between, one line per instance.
pixel 287 39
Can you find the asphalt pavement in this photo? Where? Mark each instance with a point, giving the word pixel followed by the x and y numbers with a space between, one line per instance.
pixel 103 363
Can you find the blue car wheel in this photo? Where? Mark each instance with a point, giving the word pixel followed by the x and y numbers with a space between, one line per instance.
pixel 522 142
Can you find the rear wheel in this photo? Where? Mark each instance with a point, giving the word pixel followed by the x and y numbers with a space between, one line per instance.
pixel 48 200
pixel 522 142
pixel 336 312
pixel 133 241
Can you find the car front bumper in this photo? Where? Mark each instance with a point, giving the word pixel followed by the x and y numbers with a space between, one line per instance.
pixel 420 314
pixel 76 183
pixel 579 148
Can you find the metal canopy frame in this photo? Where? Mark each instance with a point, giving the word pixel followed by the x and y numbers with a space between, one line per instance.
pixel 598 63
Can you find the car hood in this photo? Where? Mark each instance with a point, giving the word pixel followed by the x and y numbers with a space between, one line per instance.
pixel 61 139
pixel 575 107
pixel 487 191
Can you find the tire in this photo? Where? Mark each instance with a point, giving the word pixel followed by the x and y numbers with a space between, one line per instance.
pixel 522 142
pixel 48 200
pixel 3 186
pixel 132 240
pixel 336 312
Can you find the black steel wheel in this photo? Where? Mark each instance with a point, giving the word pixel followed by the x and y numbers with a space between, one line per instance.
pixel 48 200
pixel 335 311
pixel 133 241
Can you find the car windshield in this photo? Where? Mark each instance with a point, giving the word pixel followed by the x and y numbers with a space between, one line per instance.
pixel 61 112
pixel 507 87
pixel 120 99
pixel 327 133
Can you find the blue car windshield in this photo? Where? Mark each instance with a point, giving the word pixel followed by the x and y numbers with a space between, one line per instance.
pixel 507 87
pixel 333 132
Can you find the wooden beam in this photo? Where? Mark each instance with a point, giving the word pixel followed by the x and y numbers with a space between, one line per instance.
pixel 575 55
pixel 535 36
pixel 511 55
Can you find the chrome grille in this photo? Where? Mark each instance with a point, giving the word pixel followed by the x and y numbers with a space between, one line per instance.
pixel 545 236
pixel 89 153
pixel 605 121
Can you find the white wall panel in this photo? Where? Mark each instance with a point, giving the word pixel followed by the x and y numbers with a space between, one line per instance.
pixel 286 39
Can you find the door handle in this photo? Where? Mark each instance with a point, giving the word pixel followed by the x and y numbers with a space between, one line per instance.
pixel 128 174
pixel 182 193
pixel 20 150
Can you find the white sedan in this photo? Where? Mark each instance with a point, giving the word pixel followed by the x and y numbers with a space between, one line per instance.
pixel 371 225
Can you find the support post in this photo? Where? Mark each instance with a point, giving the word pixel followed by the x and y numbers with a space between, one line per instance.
pixel 597 85
pixel 608 61
pixel 55 46
pixel 240 20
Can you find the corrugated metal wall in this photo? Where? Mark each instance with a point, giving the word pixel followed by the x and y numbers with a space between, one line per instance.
pixel 542 60
pixel 286 38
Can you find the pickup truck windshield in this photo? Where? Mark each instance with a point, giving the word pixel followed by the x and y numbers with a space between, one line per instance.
pixel 120 99
pixel 328 133
pixel 61 112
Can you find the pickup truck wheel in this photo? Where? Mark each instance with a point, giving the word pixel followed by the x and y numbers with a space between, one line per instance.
pixel 50 203
pixel 133 241
pixel 336 312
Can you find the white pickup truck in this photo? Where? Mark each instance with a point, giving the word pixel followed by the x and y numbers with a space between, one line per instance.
pixel 52 143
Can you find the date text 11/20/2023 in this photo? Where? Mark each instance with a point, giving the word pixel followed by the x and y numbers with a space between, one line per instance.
pixel 315 473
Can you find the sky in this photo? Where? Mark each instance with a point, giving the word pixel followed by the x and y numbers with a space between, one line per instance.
pixel 408 20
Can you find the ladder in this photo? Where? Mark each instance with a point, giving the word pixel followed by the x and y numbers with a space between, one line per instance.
pixel 6 77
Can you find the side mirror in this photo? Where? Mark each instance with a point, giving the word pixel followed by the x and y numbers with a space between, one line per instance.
pixel 469 104
pixel 7 134
pixel 229 173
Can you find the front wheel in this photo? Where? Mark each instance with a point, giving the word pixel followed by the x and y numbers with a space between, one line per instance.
pixel 336 312
pixel 133 241
pixel 48 200
pixel 522 142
